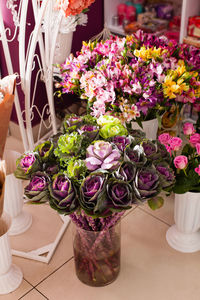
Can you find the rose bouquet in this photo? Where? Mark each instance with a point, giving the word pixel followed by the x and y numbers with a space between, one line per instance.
pixel 185 155
pixel 136 77
pixel 94 171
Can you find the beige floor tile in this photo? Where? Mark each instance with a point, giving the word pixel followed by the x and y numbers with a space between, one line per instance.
pixel 22 289
pixel 165 213
pixel 150 269
pixel 33 295
pixel 46 224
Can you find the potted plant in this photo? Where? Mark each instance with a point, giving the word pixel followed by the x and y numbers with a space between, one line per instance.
pixel 136 78
pixel 184 236
pixel 94 171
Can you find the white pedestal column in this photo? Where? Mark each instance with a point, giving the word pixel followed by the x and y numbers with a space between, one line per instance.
pixel 10 275
pixel 13 199
pixel 184 235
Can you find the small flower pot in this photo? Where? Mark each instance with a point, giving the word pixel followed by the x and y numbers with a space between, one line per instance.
pixel 97 255
pixel 184 235
pixel 149 127
pixel 10 275
pixel 13 199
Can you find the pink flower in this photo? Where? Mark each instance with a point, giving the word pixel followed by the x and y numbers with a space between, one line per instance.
pixel 197 170
pixel 194 139
pixel 188 128
pixel 164 138
pixel 180 162
pixel 175 143
pixel 198 148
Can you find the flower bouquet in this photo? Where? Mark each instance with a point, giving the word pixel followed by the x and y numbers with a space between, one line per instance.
pixel 94 171
pixel 184 234
pixel 136 78
pixel 186 162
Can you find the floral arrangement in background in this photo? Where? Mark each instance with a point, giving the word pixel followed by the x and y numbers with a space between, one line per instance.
pixel 73 7
pixel 136 77
pixel 185 155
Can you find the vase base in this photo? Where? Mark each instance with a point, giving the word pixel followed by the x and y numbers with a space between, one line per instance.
pixel 183 242
pixel 11 280
pixel 21 223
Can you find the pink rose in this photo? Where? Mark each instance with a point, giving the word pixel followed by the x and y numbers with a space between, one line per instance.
pixel 164 138
pixel 194 139
pixel 180 162
pixel 197 170
pixel 175 143
pixel 198 148
pixel 188 128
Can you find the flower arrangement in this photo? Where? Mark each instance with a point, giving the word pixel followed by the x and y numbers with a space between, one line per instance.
pixel 136 77
pixel 73 7
pixel 94 171
pixel 185 155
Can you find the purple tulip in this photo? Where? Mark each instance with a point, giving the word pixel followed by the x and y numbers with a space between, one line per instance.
pixel 102 155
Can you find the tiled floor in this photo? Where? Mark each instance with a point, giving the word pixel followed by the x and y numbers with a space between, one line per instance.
pixel 150 269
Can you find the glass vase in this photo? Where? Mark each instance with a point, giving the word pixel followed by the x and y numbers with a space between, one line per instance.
pixel 97 254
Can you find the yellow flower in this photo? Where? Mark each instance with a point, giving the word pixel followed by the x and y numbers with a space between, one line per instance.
pixel 170 88
pixel 182 86
pixel 180 70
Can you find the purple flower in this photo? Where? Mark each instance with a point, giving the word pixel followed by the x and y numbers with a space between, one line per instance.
pixel 126 172
pixel 37 189
pixel 92 191
pixel 102 155
pixel 89 131
pixel 120 194
pixel 146 184
pixel 121 142
pixel 135 155
pixel 45 150
pixel 27 164
pixel 62 194
pixel 71 122
pixel 167 177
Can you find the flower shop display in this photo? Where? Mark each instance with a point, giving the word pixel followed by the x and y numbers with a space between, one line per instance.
pixel 13 198
pixel 136 78
pixel 184 236
pixel 10 275
pixel 94 171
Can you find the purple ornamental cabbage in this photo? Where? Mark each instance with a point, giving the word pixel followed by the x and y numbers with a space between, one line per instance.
pixel 167 177
pixel 62 194
pixel 122 141
pixel 89 131
pixel 45 150
pixel 126 172
pixel 120 194
pixel 37 189
pixel 146 184
pixel 27 164
pixel 135 155
pixel 150 150
pixel 93 194
pixel 71 122
pixel 101 155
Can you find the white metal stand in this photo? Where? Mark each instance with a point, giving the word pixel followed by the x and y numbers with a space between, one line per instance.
pixel 44 35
